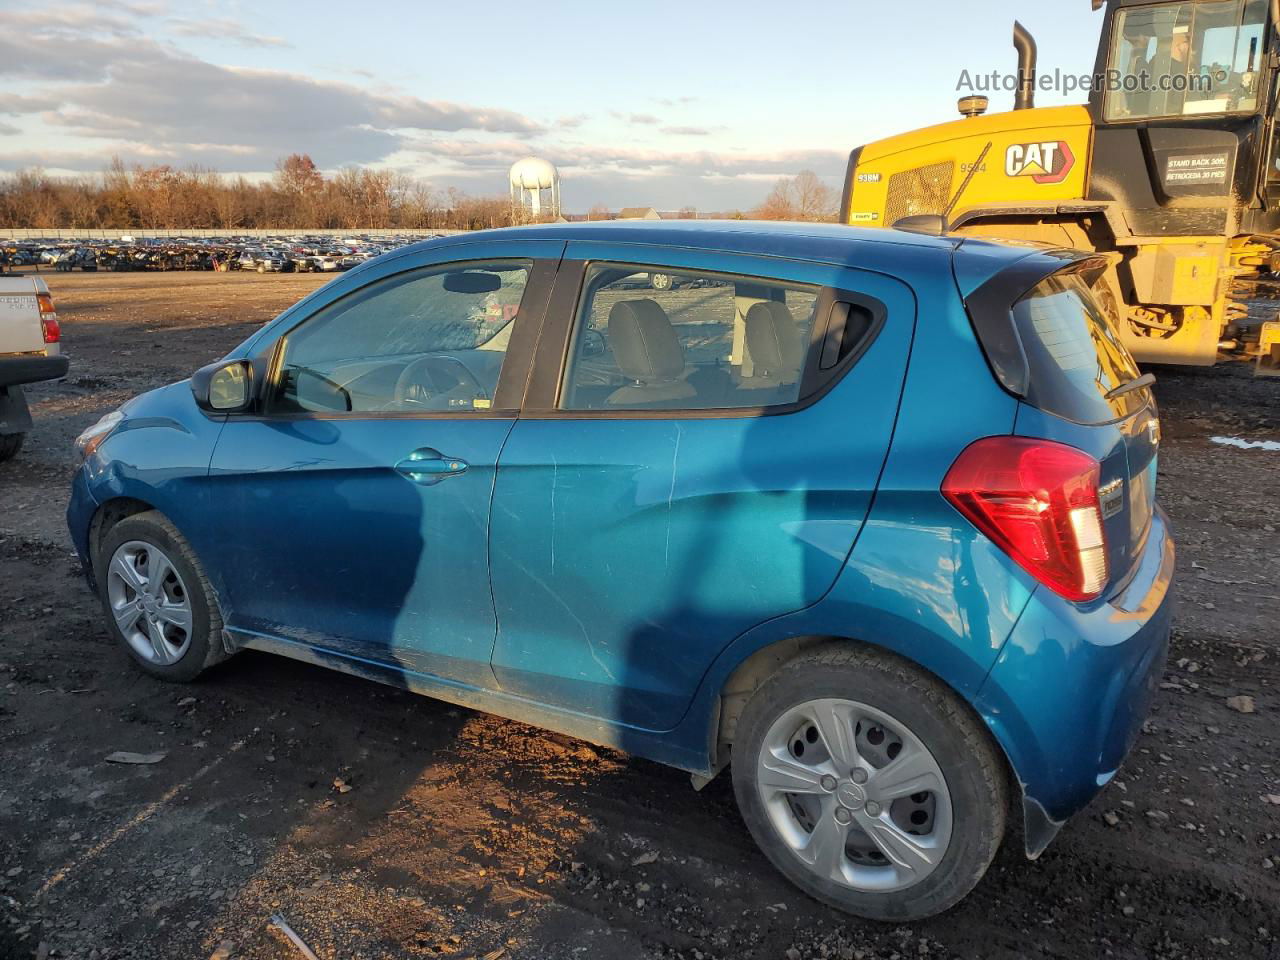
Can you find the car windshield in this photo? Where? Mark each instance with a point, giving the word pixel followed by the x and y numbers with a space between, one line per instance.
pixel 1185 59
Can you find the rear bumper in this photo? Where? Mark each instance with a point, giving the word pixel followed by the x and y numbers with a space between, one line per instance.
pixel 31 368
pixel 1070 690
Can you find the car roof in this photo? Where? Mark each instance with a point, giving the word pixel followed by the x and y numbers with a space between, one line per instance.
pixel 762 236
pixel 907 255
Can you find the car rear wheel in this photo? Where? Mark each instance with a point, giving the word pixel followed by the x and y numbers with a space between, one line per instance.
pixel 660 281
pixel 869 784
pixel 10 444
pixel 157 598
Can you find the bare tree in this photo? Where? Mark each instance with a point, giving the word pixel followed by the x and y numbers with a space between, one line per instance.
pixel 779 204
pixel 803 197
pixel 297 174
pixel 298 196
pixel 814 199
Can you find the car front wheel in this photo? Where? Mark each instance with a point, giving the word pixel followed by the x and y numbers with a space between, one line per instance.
pixel 157 598
pixel 869 784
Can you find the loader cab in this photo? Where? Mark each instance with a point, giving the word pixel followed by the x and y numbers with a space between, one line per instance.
pixel 1185 115
pixel 1185 59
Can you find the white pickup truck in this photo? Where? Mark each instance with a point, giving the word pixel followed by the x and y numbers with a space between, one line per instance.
pixel 29 353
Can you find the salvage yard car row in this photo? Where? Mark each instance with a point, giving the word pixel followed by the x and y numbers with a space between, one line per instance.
pixel 278 254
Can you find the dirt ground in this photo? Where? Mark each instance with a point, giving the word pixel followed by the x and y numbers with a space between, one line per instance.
pixel 462 835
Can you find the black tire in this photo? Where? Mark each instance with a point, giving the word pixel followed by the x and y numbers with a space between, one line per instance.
pixel 205 648
pixel 10 444
pixel 974 771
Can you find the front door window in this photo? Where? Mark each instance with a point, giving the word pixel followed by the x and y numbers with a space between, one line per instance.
pixel 430 341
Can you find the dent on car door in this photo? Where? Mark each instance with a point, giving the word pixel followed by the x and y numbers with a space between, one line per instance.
pixel 680 481
pixel 354 505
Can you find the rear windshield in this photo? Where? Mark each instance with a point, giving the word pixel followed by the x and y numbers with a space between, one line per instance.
pixel 1074 354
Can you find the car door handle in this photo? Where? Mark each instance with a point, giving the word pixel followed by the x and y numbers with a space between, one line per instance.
pixel 428 466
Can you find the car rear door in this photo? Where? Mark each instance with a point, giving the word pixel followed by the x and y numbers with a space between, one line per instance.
pixel 645 515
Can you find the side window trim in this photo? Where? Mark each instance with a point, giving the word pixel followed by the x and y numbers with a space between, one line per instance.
pixel 552 361
pixel 516 367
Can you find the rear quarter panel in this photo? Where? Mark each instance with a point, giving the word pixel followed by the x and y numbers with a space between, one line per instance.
pixel 920 581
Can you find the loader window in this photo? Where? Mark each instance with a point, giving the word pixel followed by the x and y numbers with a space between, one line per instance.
pixel 1186 59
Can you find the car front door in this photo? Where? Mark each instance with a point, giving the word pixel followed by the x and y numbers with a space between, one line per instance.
pixel 353 506
pixel 700 462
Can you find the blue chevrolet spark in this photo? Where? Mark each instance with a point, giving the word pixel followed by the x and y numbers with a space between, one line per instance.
pixel 867 516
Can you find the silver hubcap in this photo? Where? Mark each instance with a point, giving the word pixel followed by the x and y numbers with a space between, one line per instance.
pixel 149 601
pixel 857 796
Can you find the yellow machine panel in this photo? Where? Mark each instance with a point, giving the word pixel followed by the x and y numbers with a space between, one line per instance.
pixel 1024 156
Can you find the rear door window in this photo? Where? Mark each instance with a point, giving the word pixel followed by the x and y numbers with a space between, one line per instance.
pixel 676 339
pixel 1074 355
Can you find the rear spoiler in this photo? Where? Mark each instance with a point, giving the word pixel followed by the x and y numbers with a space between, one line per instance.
pixel 990 308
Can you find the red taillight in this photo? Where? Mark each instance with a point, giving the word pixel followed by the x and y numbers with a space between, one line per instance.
pixel 48 318
pixel 1038 501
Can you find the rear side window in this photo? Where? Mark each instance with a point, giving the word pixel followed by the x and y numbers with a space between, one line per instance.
pixel 664 339
pixel 1074 354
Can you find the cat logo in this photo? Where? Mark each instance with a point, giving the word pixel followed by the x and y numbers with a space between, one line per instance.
pixel 1048 162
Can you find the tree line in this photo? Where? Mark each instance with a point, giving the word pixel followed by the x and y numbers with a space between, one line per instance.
pixel 297 196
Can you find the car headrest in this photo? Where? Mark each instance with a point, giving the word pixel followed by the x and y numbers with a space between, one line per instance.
pixel 644 342
pixel 773 340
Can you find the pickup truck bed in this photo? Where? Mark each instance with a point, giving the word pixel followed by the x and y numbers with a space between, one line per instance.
pixel 29 352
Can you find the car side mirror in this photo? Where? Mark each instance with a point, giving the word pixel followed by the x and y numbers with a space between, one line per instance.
pixel 224 387
pixel 593 343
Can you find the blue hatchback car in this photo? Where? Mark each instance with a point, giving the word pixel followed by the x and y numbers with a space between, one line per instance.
pixel 869 516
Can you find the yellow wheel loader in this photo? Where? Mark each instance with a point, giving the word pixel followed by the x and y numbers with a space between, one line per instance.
pixel 1172 168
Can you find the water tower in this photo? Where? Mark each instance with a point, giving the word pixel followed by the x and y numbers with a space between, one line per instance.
pixel 529 178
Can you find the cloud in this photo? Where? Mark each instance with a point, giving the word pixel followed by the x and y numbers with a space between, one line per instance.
pixel 436 115
pixel 77 161
pixel 16 104
pixel 466 157
pixel 157 101
pixel 647 119
pixel 707 164
pixel 46 54
pixel 687 131
pixel 71 19
pixel 572 121
pixel 674 101
pixel 8 129
pixel 215 28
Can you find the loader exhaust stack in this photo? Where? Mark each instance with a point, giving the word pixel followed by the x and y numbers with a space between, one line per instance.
pixel 1025 44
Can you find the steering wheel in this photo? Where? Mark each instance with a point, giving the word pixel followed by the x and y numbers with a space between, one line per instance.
pixel 435 381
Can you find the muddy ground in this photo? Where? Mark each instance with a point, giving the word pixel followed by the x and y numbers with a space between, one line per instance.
pixel 462 835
